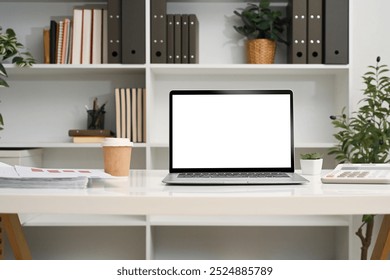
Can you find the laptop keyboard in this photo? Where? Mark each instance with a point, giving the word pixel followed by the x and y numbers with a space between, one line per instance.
pixel 234 175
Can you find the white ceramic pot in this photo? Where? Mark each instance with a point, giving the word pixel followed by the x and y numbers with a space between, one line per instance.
pixel 311 166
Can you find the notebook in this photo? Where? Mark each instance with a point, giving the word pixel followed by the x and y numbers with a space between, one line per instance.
pixel 231 137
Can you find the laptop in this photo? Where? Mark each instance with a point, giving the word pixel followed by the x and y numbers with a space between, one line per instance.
pixel 231 137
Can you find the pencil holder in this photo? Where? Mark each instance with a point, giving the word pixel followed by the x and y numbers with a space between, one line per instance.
pixel 95 119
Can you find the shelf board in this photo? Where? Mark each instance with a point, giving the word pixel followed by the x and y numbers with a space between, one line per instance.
pixel 57 145
pixel 5 145
pixel 329 220
pixel 57 69
pixel 245 69
pixel 81 220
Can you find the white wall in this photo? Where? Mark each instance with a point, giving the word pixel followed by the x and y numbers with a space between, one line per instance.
pixel 370 38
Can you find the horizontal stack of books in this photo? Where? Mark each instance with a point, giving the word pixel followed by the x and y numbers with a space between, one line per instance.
pixel 89 135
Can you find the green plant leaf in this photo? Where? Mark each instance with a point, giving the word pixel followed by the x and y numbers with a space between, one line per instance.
pixel 3 83
pixel 3 72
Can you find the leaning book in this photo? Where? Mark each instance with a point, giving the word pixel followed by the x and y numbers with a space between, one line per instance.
pixel 32 177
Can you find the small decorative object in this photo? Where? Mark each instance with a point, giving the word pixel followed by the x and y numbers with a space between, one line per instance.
pixel 11 48
pixel 262 27
pixel 364 137
pixel 311 163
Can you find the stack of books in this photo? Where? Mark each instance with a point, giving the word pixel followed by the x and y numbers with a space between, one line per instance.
pixel 89 135
pixel 130 108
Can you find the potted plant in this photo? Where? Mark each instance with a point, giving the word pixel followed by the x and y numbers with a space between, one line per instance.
pixel 364 137
pixel 262 27
pixel 311 163
pixel 10 48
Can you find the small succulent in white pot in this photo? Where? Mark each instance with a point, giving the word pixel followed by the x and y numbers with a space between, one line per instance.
pixel 311 163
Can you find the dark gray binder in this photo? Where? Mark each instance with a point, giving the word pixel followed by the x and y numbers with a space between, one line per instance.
pixel 170 39
pixel 298 32
pixel 133 32
pixel 336 32
pixel 158 12
pixel 177 28
pixel 184 39
pixel 114 33
pixel 314 31
pixel 193 37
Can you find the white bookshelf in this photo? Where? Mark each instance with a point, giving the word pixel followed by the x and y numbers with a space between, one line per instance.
pixel 45 101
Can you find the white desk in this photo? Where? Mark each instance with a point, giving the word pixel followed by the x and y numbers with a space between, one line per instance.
pixel 144 194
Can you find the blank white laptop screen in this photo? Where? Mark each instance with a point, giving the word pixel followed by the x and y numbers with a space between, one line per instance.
pixel 231 129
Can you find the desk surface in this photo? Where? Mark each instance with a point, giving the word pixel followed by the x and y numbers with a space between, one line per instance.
pixel 144 194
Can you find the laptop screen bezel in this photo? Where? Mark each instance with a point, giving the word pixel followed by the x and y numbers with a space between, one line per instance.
pixel 209 92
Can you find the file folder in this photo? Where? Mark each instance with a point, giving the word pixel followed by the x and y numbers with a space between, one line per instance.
pixel 133 32
pixel 314 31
pixel 177 28
pixel 158 10
pixel 193 37
pixel 184 39
pixel 114 35
pixel 170 39
pixel 298 32
pixel 336 32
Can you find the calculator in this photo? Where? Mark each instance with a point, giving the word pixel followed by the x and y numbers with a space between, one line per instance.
pixel 378 173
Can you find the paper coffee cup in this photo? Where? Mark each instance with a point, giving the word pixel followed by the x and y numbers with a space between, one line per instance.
pixel 117 156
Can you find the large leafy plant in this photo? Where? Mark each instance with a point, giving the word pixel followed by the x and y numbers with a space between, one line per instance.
pixel 261 22
pixel 10 48
pixel 364 137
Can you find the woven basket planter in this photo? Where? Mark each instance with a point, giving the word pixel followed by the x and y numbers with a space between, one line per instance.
pixel 260 51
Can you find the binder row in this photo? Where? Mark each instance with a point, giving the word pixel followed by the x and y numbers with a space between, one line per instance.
pixel 174 37
pixel 95 35
pixel 130 114
pixel 319 31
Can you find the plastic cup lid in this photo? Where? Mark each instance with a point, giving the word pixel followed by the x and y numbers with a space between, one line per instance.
pixel 117 142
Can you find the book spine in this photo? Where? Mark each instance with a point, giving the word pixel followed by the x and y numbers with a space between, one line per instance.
pixel 177 30
pixel 133 32
pixel 123 113
pixel 184 39
pixel 114 33
pixel 139 115
pixel 336 32
pixel 53 41
pixel 60 38
pixel 193 37
pixel 134 115
pixel 96 36
pixel 77 36
pixel 87 34
pixel 298 32
pixel 158 52
pixel 170 39
pixel 118 113
pixel 314 31
pixel 46 46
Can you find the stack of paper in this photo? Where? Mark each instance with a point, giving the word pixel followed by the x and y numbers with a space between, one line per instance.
pixel 31 177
